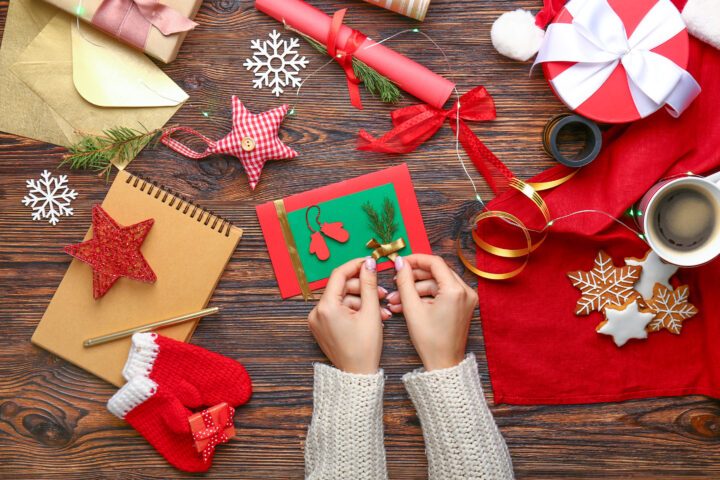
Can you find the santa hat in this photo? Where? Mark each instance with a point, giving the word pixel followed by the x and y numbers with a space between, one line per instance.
pixel 519 34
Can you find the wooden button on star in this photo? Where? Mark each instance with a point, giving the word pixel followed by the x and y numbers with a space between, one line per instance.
pixel 248 144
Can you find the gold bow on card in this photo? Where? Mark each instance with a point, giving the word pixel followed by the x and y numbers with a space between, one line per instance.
pixel 386 249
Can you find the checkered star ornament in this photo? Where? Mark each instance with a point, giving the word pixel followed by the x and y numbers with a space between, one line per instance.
pixel 253 139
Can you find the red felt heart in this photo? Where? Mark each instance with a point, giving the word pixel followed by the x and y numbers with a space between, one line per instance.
pixel 318 246
pixel 335 231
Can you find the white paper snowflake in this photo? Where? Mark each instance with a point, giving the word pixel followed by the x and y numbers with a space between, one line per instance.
pixel 276 63
pixel 49 197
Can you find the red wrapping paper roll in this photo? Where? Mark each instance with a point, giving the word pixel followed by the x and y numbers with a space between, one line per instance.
pixel 409 75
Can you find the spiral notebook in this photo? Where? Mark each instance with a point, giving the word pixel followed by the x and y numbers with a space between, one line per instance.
pixel 187 247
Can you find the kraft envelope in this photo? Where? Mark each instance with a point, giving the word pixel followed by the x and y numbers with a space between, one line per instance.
pixel 56 109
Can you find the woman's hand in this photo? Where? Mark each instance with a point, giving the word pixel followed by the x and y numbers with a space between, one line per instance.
pixel 438 308
pixel 347 321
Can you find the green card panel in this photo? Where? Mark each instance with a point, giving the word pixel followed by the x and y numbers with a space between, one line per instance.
pixel 348 210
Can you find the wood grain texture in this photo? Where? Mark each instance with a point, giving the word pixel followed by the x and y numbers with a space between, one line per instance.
pixel 53 420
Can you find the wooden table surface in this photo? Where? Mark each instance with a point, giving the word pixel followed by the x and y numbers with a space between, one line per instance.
pixel 53 420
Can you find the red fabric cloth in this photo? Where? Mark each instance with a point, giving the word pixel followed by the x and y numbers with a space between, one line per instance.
pixel 538 351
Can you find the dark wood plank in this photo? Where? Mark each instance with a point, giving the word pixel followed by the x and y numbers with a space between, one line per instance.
pixel 53 421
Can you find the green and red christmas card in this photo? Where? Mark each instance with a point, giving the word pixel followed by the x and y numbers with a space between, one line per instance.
pixel 311 233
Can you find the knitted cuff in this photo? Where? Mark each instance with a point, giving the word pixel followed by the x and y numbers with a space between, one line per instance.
pixel 135 392
pixel 702 18
pixel 345 437
pixel 461 438
pixel 141 358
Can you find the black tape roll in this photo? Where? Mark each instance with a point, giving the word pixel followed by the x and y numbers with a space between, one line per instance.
pixel 593 139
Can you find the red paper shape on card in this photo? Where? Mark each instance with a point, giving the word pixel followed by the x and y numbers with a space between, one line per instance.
pixel 113 252
pixel 335 231
pixel 212 427
pixel 318 246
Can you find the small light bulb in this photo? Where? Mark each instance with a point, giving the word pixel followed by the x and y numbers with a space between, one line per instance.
pixel 639 213
pixel 550 223
pixel 206 114
pixel 292 111
pixel 79 10
pixel 642 236
pixel 477 197
pixel 416 30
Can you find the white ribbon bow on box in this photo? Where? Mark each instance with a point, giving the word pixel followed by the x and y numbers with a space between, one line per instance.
pixel 597 41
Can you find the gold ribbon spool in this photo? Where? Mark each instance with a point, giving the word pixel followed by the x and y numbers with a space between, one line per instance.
pixel 292 250
pixel 530 190
pixel 386 249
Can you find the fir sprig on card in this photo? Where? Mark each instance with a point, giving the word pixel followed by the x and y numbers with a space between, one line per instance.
pixel 96 152
pixel 382 223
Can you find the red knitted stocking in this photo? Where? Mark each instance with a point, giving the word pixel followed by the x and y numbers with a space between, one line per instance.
pixel 159 417
pixel 197 376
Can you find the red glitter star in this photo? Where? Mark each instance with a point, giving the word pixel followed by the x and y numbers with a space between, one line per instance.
pixel 113 252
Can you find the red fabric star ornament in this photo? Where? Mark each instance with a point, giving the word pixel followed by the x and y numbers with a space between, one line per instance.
pixel 113 252
pixel 253 139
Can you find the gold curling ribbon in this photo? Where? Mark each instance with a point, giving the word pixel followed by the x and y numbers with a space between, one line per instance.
pixel 529 190
pixel 386 249
pixel 293 251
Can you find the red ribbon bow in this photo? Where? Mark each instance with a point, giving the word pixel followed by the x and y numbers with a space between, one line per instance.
pixel 214 433
pixel 417 123
pixel 344 57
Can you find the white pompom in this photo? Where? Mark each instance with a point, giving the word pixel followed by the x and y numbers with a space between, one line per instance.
pixel 515 35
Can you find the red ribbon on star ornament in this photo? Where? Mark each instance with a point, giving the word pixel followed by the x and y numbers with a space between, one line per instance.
pixel 113 252
pixel 253 139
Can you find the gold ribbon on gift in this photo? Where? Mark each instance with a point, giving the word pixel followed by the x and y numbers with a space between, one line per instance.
pixel 386 249
pixel 530 190
pixel 292 250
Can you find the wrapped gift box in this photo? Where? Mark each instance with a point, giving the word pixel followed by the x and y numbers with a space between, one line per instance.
pixel 221 418
pixel 162 47
pixel 618 99
pixel 410 8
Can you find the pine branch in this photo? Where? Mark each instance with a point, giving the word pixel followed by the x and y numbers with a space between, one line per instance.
pixel 382 224
pixel 97 152
pixel 375 83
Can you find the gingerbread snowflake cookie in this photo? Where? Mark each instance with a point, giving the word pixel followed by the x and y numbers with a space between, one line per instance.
pixel 624 322
pixel 654 270
pixel 604 285
pixel 671 308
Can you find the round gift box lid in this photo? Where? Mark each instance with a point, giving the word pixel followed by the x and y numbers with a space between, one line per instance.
pixel 612 102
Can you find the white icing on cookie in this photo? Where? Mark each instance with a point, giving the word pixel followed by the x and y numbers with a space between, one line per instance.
pixel 625 322
pixel 654 270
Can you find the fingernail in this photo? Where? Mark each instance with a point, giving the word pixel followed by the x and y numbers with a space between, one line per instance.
pixel 371 264
pixel 391 295
pixel 399 262
pixel 387 312
pixel 383 290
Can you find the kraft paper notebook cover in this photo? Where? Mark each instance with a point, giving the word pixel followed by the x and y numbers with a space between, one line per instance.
pixel 187 248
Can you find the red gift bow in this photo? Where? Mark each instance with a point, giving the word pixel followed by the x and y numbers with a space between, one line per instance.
pixel 130 20
pixel 417 123
pixel 345 57
pixel 214 433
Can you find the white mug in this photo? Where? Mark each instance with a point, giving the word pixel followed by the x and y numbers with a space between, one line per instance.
pixel 680 219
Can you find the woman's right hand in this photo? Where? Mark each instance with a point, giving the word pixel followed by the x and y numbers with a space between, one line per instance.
pixel 438 307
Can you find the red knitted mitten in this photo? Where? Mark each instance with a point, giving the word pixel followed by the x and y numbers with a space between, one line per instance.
pixel 159 417
pixel 198 377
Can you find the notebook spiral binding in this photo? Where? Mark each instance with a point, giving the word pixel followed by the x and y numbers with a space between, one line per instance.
pixel 158 190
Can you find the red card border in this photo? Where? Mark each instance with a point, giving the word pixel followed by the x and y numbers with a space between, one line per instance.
pixel 399 176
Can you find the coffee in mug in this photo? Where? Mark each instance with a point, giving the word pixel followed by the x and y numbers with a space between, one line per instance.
pixel 681 220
